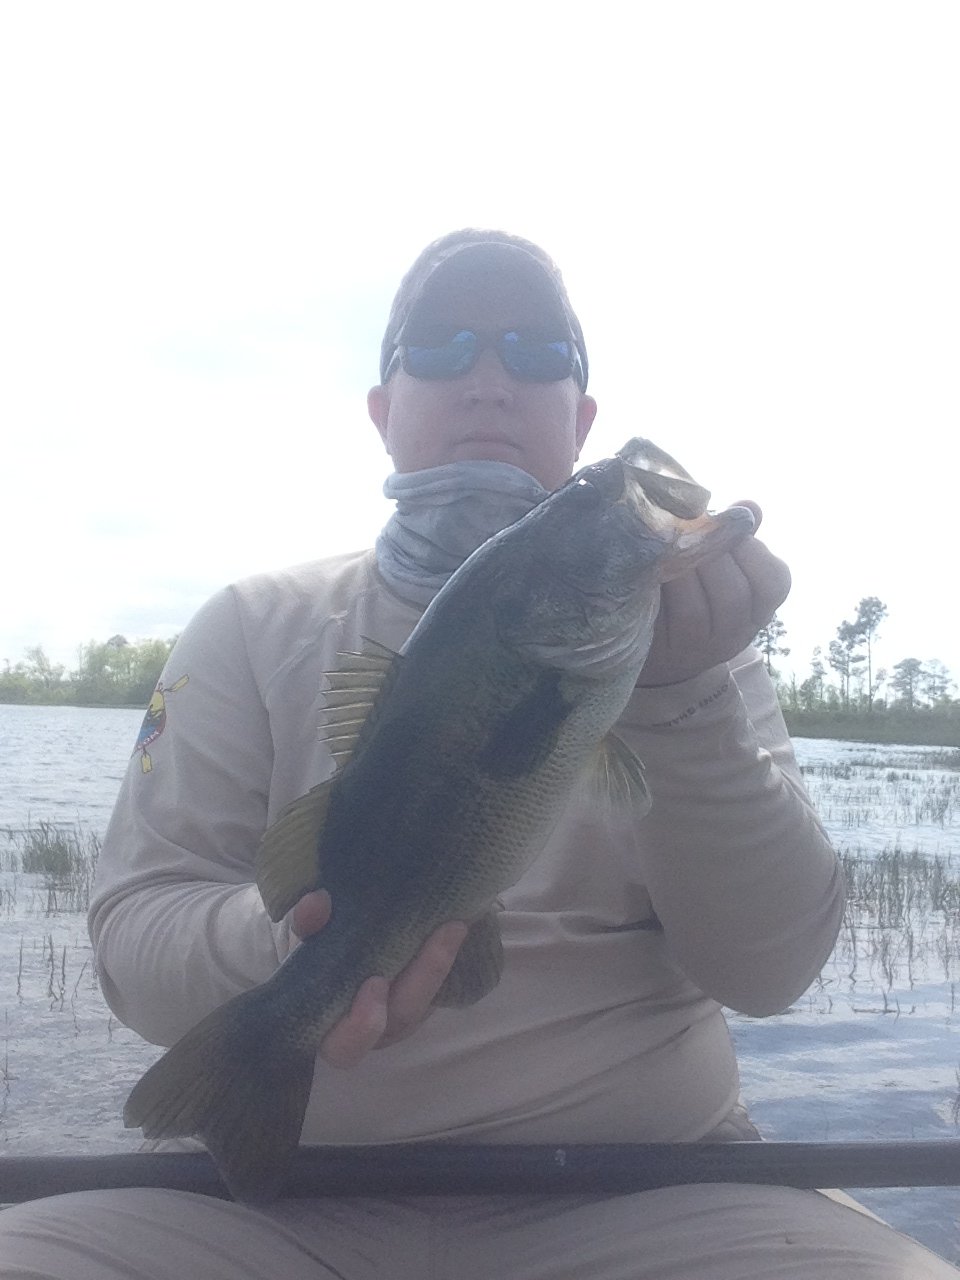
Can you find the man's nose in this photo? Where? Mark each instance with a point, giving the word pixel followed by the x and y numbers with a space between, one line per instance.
pixel 489 380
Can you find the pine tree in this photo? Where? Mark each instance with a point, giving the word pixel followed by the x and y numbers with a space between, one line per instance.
pixel 768 640
pixel 870 613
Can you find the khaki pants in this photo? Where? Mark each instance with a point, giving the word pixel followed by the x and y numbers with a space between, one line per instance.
pixel 724 1232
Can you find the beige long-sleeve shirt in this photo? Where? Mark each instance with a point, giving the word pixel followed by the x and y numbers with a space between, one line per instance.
pixel 602 1028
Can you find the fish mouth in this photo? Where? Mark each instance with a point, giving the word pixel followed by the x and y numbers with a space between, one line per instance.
pixel 652 472
pixel 670 503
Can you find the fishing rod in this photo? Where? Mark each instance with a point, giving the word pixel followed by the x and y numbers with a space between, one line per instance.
pixel 454 1169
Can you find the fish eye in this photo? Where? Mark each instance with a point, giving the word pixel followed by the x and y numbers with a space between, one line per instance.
pixel 586 490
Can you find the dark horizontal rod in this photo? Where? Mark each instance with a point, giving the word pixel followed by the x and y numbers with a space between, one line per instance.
pixel 454 1169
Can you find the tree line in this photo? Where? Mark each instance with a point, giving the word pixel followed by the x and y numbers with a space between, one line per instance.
pixel 113 673
pixel 910 685
pixel 120 672
pixel 846 696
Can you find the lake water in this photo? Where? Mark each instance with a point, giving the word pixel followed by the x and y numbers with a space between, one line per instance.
pixel 63 764
pixel 870 1051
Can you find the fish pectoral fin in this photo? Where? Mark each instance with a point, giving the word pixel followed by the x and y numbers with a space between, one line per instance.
pixel 286 860
pixel 616 774
pixel 477 968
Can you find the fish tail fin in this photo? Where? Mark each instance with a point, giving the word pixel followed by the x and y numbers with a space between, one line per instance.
pixel 243 1093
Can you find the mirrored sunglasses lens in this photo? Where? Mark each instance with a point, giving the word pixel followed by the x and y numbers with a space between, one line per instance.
pixel 536 359
pixel 448 359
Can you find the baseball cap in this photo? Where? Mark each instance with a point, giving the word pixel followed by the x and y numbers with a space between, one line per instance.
pixel 470 254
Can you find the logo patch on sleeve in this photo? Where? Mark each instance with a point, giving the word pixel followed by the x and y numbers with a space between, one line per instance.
pixel 155 720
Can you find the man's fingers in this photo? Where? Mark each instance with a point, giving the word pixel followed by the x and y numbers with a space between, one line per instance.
pixel 362 1028
pixel 412 993
pixel 311 913
pixel 728 597
pixel 712 613
pixel 684 611
pixel 768 576
pixel 709 614
pixel 383 1013
pixel 754 507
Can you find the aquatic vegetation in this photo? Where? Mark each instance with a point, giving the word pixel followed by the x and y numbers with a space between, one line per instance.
pixel 60 861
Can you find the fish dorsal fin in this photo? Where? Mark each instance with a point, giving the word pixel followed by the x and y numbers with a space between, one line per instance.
pixel 286 860
pixel 616 774
pixel 350 694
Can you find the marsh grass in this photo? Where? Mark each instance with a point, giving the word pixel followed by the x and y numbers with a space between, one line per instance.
pixel 897 886
pixel 858 793
pixel 902 918
pixel 901 926
pixel 902 914
pixel 63 858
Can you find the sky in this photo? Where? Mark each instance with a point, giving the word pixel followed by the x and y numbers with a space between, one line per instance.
pixel 208 206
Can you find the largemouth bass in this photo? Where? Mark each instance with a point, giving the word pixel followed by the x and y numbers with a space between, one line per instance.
pixel 455 760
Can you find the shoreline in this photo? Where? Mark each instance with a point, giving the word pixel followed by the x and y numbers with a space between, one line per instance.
pixel 921 728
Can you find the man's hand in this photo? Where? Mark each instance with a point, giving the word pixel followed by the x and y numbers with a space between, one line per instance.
pixel 712 613
pixel 382 1012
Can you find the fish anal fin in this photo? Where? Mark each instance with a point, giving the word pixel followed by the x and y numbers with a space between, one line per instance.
pixel 287 859
pixel 616 774
pixel 477 968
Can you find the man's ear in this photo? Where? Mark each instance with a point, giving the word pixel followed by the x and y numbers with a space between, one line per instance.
pixel 378 407
pixel 586 412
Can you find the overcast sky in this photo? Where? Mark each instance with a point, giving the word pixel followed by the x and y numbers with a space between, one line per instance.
pixel 207 208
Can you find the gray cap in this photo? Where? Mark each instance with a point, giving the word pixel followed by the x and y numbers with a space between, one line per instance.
pixel 472 253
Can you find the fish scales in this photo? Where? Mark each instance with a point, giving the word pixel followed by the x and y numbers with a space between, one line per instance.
pixel 454 762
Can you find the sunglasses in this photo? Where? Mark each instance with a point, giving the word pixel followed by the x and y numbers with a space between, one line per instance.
pixel 531 356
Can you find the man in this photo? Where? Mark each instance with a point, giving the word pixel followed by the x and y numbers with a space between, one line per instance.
pixel 488 415
pixel 621 943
